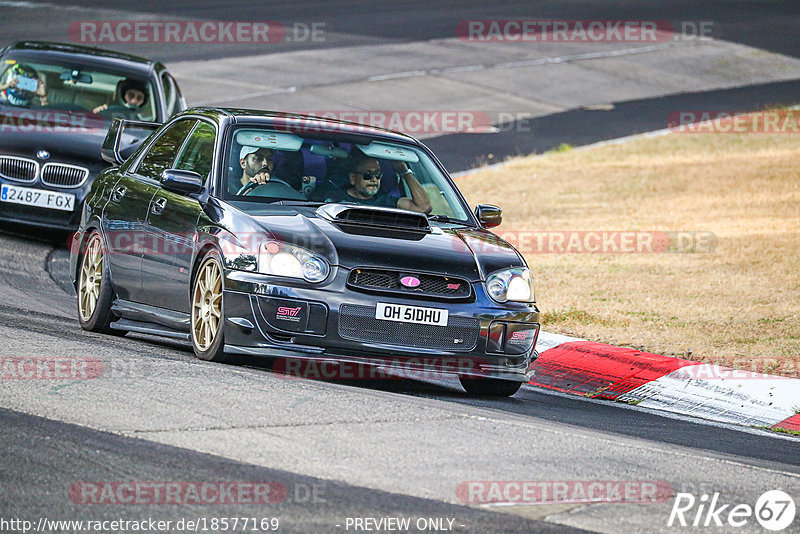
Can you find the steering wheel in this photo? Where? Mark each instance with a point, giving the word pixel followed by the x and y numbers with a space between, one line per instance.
pixel 116 110
pixel 273 189
pixel 248 187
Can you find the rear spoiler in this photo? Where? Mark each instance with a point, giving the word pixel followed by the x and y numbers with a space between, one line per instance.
pixel 124 137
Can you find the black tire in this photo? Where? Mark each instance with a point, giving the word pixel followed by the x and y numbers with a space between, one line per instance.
pixel 489 387
pixel 207 334
pixel 95 294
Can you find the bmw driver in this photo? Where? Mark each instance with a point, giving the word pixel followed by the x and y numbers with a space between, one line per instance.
pixel 20 84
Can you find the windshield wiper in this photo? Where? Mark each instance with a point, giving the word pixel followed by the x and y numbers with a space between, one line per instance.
pixel 441 218
pixel 296 201
pixel 446 219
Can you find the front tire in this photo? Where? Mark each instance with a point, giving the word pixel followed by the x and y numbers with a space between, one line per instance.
pixel 94 288
pixel 207 315
pixel 489 387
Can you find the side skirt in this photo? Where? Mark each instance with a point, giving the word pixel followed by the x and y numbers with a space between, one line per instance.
pixel 148 328
pixel 136 317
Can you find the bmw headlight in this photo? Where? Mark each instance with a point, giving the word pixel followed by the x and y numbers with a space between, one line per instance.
pixel 515 285
pixel 284 259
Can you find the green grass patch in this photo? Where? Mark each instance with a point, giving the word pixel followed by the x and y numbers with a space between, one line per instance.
pixel 786 431
pixel 771 320
pixel 563 147
pixel 574 315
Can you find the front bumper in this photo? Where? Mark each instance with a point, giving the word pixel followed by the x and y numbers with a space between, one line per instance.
pixel 334 322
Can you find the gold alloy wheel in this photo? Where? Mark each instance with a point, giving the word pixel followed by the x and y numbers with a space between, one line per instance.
pixel 91 276
pixel 206 305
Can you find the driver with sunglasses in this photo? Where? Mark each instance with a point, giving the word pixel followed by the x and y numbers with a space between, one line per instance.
pixel 365 186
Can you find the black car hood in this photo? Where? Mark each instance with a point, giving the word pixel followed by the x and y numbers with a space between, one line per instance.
pixel 470 253
pixel 66 136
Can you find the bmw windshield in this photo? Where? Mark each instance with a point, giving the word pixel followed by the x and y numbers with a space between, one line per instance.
pixel 36 84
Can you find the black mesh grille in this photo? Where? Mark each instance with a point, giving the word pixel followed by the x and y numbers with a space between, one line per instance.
pixel 431 285
pixel 62 175
pixel 364 278
pixel 359 324
pixel 20 169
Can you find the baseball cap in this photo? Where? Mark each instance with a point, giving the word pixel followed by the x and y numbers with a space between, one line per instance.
pixel 246 150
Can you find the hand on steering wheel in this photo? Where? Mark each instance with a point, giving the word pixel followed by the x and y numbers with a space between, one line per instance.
pixel 248 187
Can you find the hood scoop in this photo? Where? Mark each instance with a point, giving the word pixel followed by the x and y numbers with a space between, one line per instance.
pixel 369 220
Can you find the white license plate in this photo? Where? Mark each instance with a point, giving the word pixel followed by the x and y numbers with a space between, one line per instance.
pixel 411 314
pixel 37 197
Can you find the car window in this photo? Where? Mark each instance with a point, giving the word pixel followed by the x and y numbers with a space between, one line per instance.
pixel 197 153
pixel 325 168
pixel 70 87
pixel 172 95
pixel 162 153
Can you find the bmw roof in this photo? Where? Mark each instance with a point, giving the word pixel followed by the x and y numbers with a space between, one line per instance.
pixel 87 55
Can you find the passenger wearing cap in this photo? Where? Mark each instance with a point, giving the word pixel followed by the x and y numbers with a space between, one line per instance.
pixel 257 164
pixel 132 96
pixel 17 86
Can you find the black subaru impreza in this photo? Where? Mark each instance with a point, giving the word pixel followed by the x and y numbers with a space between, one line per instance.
pixel 264 234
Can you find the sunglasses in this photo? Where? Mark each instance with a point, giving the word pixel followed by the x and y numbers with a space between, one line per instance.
pixel 370 175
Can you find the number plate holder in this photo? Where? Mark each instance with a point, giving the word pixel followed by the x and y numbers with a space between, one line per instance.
pixel 411 314
pixel 40 198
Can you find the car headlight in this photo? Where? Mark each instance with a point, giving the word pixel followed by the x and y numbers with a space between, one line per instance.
pixel 515 284
pixel 284 259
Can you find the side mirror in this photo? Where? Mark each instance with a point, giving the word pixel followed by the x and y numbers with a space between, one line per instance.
pixel 123 138
pixel 110 148
pixel 181 182
pixel 489 216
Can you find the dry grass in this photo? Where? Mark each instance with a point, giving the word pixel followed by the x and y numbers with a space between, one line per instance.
pixel 738 305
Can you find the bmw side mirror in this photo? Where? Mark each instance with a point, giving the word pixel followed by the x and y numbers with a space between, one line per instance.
pixel 489 216
pixel 181 182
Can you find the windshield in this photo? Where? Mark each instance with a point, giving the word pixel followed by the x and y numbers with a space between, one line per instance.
pixel 68 87
pixel 266 166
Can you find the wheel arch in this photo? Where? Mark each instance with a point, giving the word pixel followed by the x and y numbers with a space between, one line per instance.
pixel 203 251
pixel 92 225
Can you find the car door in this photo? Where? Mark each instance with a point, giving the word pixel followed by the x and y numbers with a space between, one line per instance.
pixel 171 227
pixel 125 216
pixel 128 206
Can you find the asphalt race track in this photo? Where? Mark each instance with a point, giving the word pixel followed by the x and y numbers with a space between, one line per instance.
pixel 336 451
pixel 372 449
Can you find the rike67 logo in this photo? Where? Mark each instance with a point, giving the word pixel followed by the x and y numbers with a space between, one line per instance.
pixel 774 510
